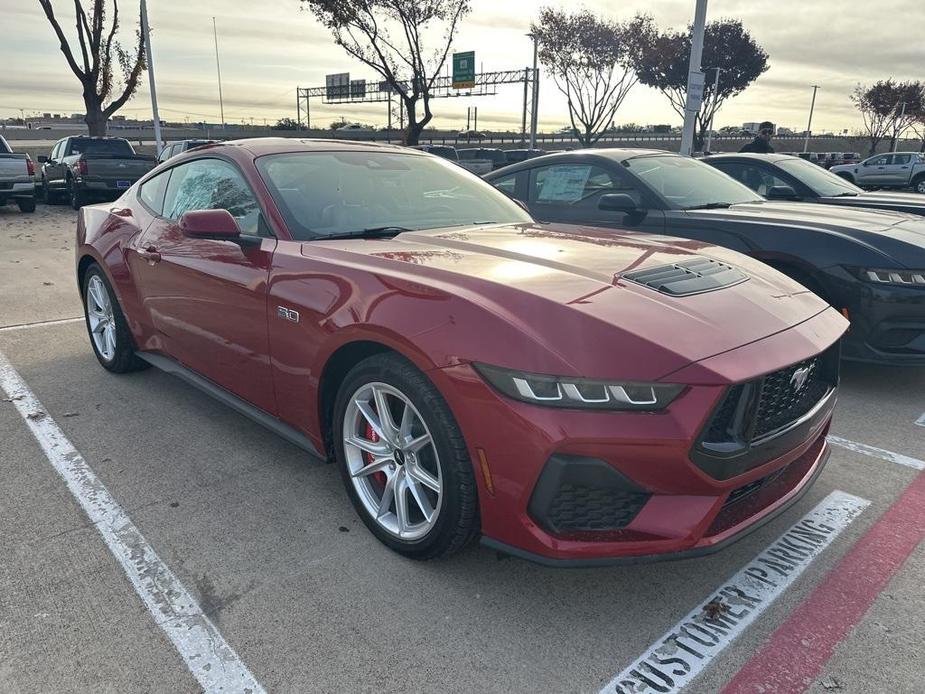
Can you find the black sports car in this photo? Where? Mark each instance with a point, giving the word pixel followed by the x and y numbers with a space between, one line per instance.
pixel 784 177
pixel 870 264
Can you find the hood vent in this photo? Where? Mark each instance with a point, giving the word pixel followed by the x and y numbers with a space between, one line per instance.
pixel 691 276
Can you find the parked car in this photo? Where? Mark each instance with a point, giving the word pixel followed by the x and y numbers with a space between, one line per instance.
pixel 17 178
pixel 175 148
pixel 870 264
pixel 779 177
pixel 354 129
pixel 475 158
pixel 470 135
pixel 893 170
pixel 514 156
pixel 444 151
pixel 455 359
pixel 81 168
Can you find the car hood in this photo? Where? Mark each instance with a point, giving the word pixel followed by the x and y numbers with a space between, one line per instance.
pixel 564 287
pixel 885 199
pixel 896 235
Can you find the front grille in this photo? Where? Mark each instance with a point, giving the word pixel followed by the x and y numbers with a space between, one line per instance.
pixel 750 411
pixel 692 276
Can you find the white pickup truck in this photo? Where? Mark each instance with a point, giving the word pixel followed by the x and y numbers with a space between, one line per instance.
pixel 17 180
pixel 891 170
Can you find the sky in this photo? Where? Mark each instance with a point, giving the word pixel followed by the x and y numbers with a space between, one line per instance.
pixel 268 47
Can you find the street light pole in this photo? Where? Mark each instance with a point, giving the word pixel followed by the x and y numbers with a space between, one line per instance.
pixel 694 79
pixel 218 67
pixel 146 32
pixel 535 100
pixel 809 125
pixel 710 126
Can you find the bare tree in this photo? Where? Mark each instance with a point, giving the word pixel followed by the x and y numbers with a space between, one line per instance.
pixel 888 109
pixel 726 45
pixel 387 35
pixel 100 55
pixel 592 61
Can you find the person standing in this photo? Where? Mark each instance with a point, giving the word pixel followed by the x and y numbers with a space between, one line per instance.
pixel 762 142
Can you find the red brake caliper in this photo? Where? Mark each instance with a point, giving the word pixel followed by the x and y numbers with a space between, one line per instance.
pixel 372 436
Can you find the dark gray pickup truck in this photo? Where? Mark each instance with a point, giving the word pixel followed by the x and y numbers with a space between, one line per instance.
pixel 16 178
pixel 82 168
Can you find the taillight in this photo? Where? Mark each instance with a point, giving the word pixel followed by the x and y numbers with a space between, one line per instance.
pixel 82 167
pixel 30 167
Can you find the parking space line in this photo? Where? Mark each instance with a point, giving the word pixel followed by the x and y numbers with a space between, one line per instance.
pixel 40 324
pixel 797 651
pixel 875 452
pixel 210 659
pixel 686 649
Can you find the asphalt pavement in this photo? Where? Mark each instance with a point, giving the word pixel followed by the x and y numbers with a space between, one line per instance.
pixel 268 546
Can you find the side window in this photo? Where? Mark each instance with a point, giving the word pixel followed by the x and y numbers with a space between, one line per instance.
pixel 56 152
pixel 151 192
pixel 212 184
pixel 508 184
pixel 576 184
pixel 882 160
pixel 902 158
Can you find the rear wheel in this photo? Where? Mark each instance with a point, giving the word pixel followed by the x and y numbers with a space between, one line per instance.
pixel 918 185
pixel 75 194
pixel 109 334
pixel 26 204
pixel 403 459
pixel 49 197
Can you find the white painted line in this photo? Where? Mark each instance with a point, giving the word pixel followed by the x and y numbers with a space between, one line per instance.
pixel 40 324
pixel 673 661
pixel 210 659
pixel 921 420
pixel 880 453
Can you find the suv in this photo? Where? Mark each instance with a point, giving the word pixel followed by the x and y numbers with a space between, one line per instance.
pixel 891 170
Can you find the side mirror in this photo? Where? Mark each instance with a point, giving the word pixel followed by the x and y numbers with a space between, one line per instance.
pixel 210 224
pixel 781 193
pixel 617 202
pixel 43 159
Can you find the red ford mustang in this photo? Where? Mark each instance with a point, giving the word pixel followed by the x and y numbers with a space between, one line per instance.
pixel 573 396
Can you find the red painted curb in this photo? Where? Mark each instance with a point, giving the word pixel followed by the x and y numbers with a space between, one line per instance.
pixel 792 658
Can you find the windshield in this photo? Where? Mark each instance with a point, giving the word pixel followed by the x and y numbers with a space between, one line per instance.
pixel 686 184
pixel 823 183
pixel 119 148
pixel 326 193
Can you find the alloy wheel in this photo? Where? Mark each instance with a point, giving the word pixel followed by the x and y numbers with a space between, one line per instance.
pixel 392 461
pixel 920 186
pixel 100 316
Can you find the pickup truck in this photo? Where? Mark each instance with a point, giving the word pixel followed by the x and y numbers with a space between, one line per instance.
pixel 16 178
pixel 80 168
pixel 892 170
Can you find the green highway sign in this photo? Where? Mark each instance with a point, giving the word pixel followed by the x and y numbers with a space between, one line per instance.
pixel 464 70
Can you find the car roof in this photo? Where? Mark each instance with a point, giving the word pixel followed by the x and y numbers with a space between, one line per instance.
pixel 259 146
pixel 750 155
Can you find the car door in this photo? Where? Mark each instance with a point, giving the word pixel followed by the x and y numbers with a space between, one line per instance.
pixel 207 298
pixel 898 170
pixel 873 171
pixel 570 193
pixel 54 168
pixel 756 175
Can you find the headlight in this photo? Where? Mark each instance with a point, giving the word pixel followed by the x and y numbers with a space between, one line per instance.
pixel 905 278
pixel 579 393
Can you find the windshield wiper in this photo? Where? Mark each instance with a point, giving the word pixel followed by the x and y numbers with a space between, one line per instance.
pixel 711 206
pixel 370 233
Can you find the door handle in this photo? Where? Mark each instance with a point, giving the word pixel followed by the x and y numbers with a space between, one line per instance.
pixel 150 254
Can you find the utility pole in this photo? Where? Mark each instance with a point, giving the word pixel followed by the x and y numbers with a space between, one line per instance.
pixel 809 125
pixel 902 114
pixel 146 32
pixel 298 108
pixel 710 126
pixel 694 79
pixel 218 67
pixel 535 101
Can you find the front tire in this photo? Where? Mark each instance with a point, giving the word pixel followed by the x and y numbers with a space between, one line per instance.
pixel 75 195
pixel 106 326
pixel 403 459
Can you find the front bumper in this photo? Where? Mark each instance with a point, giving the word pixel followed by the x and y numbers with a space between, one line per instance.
pixel 545 492
pixel 887 322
